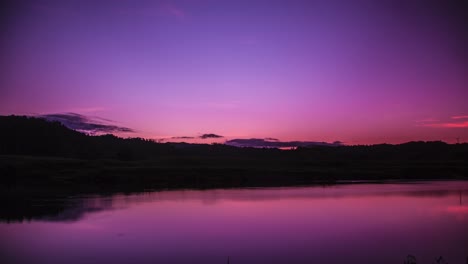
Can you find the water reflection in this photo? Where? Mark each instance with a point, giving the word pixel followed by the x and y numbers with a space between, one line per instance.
pixel 74 208
pixel 377 223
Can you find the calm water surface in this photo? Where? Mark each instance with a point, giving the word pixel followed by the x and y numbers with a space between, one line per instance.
pixel 360 223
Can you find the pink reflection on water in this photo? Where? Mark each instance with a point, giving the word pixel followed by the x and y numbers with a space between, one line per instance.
pixel 364 223
pixel 460 212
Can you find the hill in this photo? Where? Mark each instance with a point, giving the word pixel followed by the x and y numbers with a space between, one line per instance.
pixel 41 156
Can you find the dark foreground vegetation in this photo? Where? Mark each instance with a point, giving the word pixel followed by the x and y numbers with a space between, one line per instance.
pixel 41 156
pixel 40 160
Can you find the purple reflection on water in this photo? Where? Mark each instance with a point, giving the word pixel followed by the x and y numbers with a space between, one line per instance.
pixel 363 223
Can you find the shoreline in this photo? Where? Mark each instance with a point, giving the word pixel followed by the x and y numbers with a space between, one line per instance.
pixel 26 175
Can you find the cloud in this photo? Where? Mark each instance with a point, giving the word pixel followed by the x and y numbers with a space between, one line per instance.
pixel 452 122
pixel 205 136
pixel 182 137
pixel 265 143
pixel 460 117
pixel 448 125
pixel 86 124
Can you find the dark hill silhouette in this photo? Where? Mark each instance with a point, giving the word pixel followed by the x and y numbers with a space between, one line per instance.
pixel 21 135
pixel 39 155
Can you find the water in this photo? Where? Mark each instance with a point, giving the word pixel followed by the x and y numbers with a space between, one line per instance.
pixel 360 223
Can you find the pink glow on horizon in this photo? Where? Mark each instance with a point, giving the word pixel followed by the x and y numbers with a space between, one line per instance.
pixel 294 71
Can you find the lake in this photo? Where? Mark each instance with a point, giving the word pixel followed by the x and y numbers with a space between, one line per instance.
pixel 346 223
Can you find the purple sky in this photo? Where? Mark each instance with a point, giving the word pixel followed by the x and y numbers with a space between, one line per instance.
pixel 354 71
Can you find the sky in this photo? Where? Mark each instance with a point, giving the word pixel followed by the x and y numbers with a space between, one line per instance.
pixel 357 71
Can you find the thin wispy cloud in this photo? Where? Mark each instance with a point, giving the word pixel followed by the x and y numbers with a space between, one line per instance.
pixel 448 125
pixel 183 137
pixel 86 124
pixel 452 122
pixel 460 117
pixel 191 138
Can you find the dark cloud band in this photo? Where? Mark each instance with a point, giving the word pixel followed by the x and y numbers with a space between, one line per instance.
pixel 85 124
pixel 269 143
pixel 205 136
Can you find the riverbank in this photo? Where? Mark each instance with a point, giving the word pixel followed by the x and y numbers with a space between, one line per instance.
pixel 26 174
